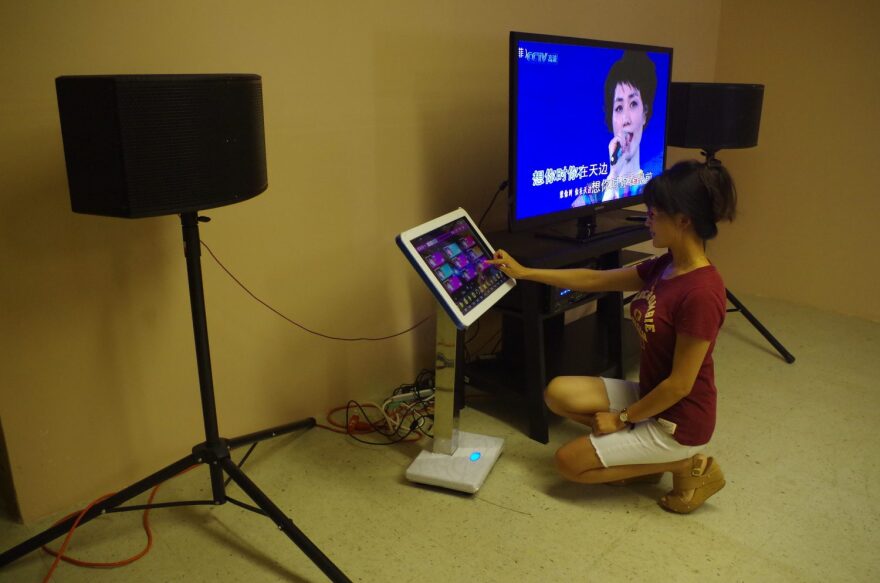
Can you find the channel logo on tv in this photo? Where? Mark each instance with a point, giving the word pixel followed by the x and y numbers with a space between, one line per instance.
pixel 537 56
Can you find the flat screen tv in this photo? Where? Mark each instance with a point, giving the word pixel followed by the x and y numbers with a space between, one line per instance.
pixel 587 127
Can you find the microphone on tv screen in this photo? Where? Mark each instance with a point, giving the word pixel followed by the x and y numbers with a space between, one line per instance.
pixel 616 154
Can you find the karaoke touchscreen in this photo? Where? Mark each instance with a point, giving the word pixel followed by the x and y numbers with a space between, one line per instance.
pixel 450 254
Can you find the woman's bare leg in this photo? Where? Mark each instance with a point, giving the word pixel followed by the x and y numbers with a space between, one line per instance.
pixel 577 461
pixel 577 398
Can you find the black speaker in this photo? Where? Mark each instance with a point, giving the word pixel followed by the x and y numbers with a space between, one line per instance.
pixel 714 116
pixel 148 145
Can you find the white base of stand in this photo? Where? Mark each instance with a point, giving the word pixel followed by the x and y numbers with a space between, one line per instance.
pixel 465 470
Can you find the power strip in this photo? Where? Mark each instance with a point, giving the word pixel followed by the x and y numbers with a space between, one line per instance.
pixel 412 395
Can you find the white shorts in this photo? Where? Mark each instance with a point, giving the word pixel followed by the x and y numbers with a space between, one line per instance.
pixel 645 443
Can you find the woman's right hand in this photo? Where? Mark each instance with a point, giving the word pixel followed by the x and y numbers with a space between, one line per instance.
pixel 508 265
pixel 615 146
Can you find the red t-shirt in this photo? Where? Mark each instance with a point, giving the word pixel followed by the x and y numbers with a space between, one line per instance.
pixel 694 304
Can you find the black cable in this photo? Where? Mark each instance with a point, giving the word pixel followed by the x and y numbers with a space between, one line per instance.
pixel 496 347
pixel 476 333
pixel 416 424
pixel 501 187
pixel 424 381
pixel 497 334
pixel 341 339
pixel 376 428
pixel 467 354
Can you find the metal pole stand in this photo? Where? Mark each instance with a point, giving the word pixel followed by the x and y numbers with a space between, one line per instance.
pixel 458 460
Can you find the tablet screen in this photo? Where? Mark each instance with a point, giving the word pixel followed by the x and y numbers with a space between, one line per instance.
pixel 457 258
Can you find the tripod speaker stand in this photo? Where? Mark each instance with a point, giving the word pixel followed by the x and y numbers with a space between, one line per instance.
pixel 712 116
pixel 213 155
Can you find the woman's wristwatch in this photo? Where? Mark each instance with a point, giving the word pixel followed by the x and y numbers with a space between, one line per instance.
pixel 624 417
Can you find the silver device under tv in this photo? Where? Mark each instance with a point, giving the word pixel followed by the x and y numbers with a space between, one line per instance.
pixel 450 253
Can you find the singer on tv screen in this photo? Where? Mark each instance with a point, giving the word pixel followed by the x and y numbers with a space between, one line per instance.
pixel 590 123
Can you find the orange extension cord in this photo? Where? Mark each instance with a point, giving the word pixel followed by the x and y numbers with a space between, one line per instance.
pixel 59 554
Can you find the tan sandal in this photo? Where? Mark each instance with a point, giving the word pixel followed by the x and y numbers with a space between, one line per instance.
pixel 646 479
pixel 704 483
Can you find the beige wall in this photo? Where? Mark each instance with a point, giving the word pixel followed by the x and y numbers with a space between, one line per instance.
pixel 379 116
pixel 808 193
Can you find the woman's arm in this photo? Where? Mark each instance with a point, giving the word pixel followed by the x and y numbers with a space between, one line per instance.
pixel 686 362
pixel 578 279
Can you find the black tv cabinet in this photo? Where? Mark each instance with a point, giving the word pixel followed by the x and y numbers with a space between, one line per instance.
pixel 537 345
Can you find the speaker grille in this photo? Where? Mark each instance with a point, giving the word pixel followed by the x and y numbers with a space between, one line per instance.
pixel 149 145
pixel 714 115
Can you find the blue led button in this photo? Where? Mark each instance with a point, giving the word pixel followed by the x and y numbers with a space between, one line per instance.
pixel 475 456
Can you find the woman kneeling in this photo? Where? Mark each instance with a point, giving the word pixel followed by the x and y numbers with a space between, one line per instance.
pixel 663 422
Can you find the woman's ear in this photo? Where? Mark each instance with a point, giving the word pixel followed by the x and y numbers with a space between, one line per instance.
pixel 682 221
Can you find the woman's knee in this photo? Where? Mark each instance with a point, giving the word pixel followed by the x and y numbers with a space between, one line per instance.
pixel 553 394
pixel 584 395
pixel 576 460
pixel 564 465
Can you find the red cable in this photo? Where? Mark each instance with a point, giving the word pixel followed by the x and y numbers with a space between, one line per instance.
pixel 356 426
pixel 59 554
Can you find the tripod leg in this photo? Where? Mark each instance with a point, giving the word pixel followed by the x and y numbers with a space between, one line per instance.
pixel 284 523
pixel 269 433
pixel 130 492
pixel 789 358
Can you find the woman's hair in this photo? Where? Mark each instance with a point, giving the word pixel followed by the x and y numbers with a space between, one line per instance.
pixel 704 193
pixel 637 69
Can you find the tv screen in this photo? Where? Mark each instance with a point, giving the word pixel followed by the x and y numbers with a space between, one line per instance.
pixel 587 125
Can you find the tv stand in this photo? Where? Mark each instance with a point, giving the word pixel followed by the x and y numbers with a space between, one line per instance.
pixel 586 229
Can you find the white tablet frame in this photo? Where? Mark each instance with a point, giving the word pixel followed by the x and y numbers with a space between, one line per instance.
pixel 461 320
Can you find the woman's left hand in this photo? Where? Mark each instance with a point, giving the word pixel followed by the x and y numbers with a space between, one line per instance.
pixel 607 422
